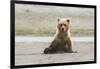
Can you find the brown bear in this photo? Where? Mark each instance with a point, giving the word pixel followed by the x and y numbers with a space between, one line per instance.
pixel 62 42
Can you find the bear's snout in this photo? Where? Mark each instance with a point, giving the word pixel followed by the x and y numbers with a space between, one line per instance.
pixel 62 29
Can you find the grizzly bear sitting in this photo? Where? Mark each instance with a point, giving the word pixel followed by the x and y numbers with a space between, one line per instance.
pixel 62 42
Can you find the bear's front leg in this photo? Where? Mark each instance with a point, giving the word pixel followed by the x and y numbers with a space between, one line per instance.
pixel 68 47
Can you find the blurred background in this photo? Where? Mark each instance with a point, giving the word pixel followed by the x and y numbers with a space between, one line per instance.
pixel 41 20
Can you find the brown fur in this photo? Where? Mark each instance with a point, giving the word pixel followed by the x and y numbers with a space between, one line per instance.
pixel 62 42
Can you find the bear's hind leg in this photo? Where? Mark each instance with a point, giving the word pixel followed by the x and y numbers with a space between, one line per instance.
pixel 46 51
pixel 49 51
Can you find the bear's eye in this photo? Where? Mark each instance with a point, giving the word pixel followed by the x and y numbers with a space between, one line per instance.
pixel 64 24
pixel 61 24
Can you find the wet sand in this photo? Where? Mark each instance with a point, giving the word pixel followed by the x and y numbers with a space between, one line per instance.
pixel 30 53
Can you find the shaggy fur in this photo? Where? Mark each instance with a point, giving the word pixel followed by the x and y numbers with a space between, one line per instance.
pixel 62 42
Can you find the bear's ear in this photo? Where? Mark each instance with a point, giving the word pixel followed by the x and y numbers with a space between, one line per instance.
pixel 58 19
pixel 68 20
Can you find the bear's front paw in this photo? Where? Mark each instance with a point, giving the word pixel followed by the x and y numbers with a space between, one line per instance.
pixel 46 51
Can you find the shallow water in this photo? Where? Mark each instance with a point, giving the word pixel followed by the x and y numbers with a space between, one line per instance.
pixel 29 50
pixel 30 53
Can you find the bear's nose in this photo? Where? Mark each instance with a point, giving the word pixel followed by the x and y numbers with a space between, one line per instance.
pixel 62 29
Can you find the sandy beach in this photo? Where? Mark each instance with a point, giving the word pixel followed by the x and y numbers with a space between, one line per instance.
pixel 30 53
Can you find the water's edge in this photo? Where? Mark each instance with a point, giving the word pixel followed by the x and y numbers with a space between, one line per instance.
pixel 49 39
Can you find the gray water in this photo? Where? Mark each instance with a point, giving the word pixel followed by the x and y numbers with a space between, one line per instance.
pixel 29 50
pixel 49 39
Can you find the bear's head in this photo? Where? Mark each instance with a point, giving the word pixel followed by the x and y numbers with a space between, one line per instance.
pixel 63 24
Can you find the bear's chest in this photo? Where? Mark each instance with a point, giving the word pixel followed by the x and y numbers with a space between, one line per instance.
pixel 62 41
pixel 61 44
